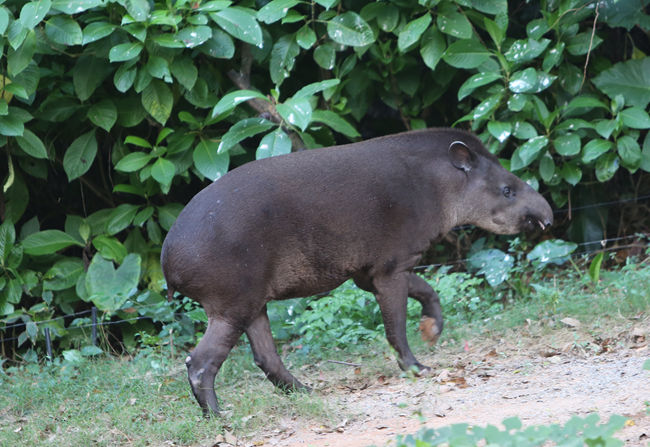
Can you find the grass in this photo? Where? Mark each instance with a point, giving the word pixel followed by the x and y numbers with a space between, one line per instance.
pixel 145 400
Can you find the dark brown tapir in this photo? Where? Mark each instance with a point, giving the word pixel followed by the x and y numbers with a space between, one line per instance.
pixel 300 224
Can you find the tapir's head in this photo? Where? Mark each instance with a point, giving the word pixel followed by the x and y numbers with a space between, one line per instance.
pixel 493 198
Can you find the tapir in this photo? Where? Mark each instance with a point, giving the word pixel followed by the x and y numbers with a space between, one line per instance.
pixel 301 224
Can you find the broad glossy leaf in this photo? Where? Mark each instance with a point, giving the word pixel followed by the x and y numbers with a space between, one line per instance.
pixel 630 79
pixel 350 29
pixel 232 99
pixel 306 37
pixel 158 100
pixel 528 152
pixel 296 111
pixel 125 76
pixel 184 71
pixel 11 125
pixel 387 16
pixel 523 81
pixel 594 149
pixel 629 151
pixel 605 128
pixel 546 167
pixel 526 50
pixel 4 20
pixel 466 54
pixel 138 9
pixel 500 130
pixel 239 23
pixel 275 10
pixel 220 45
pixel 193 36
pixel 207 161
pixel 635 118
pixel 242 130
pixel 567 145
pixel 316 87
pixel 108 288
pixel 536 28
pixel 645 153
pixel 133 161
pixel 551 251
pixel 75 6
pixel 494 264
pixel 31 144
pixel 96 31
pixel 7 239
pixel 33 12
pixel 517 102
pixel 163 171
pixel 492 7
pixel 125 51
pixel 486 106
pixel 121 217
pixel 283 57
pixel 475 81
pixel 63 30
pixel 587 102
pixel 452 22
pixel 582 43
pixel 325 56
pixel 158 67
pixel 553 57
pixel 103 114
pixel 571 173
pixel 412 32
pixel 80 155
pixel 47 242
pixel 606 167
pixel 334 121
pixel 274 143
pixel 63 274
pixel 88 73
pixel 18 60
pixel 432 47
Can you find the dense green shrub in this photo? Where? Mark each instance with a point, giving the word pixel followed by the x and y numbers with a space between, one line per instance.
pixel 113 113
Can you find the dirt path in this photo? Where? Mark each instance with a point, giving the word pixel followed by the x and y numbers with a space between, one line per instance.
pixel 541 383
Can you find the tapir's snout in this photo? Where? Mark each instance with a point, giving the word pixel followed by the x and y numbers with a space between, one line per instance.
pixel 539 215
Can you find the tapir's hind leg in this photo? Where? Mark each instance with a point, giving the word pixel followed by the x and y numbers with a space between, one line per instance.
pixel 204 362
pixel 266 355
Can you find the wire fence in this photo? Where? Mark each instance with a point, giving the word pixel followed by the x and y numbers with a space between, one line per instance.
pixel 95 324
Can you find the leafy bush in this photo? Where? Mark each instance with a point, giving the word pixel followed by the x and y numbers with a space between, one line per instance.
pixel 113 113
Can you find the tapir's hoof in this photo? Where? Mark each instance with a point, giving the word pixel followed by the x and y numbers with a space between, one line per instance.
pixel 429 330
pixel 423 371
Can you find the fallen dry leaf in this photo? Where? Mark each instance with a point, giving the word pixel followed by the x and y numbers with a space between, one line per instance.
pixel 571 322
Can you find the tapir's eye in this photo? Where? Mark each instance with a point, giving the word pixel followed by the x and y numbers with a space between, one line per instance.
pixel 507 192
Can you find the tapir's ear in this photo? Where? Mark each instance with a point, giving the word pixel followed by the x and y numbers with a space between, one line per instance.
pixel 461 155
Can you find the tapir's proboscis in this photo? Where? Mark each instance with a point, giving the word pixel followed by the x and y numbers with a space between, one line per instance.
pixel 303 223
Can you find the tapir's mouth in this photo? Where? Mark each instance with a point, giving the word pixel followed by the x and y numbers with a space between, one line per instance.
pixel 532 222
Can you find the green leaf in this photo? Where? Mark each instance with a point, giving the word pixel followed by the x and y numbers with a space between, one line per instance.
pixel 274 143
pixel 283 57
pixel 645 153
pixel 296 111
pixel 220 45
pixel 412 32
pixel 63 30
pixel 96 31
pixel 232 99
pixel 11 126
pixel 528 152
pixel 452 22
pixel 325 56
pixel 163 171
pixel 239 23
pixel 492 7
pixel 75 6
pixel 158 67
pixel 524 130
pixel 47 242
pixel 193 36
pixel 571 173
pixel 33 12
pixel 526 50
pixel 18 60
pixel 523 81
pixel 88 73
pixel 243 129
pixel 125 52
pixel 185 71
pixel 494 264
pixel 486 107
pixel 4 20
pixel 553 57
pixel 167 214
pixel 120 218
pixel 7 239
pixel 138 9
pixel 350 29
pixel 475 81
pixel 63 275
pixel 103 114
pixel 275 10
pixel 80 155
pixel 207 161
pixel 605 128
pixel 496 32
pixel 466 54
pixel 594 267
pixel 137 141
pixel 306 37
pixel 32 144
pixel 567 145
pixel 432 47
pixel 629 151
pixel 334 121
pixel 594 149
pixel 631 79
pixel 316 87
pixel 91 350
pixel 124 77
pixel 585 102
pixel 606 167
pixel 582 43
pixel 108 288
pixel 500 131
pixel 158 100
pixel 553 251
pixel 546 167
pixel 635 118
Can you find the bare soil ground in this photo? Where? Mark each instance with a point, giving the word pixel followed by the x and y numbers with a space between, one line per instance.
pixel 541 375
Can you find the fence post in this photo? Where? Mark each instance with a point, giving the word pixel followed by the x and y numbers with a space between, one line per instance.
pixel 48 344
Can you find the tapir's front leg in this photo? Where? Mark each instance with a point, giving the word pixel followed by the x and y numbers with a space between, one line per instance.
pixel 391 294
